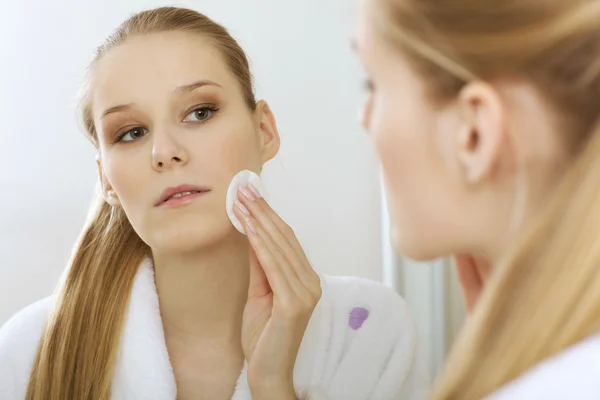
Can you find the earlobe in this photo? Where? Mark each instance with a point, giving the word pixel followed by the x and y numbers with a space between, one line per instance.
pixel 481 134
pixel 109 195
pixel 111 198
pixel 269 134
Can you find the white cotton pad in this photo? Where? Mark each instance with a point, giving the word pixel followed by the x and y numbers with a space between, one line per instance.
pixel 242 178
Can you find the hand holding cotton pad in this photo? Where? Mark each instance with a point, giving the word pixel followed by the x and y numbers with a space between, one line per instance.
pixel 242 178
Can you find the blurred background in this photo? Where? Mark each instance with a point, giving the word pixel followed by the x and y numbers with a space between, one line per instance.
pixel 324 182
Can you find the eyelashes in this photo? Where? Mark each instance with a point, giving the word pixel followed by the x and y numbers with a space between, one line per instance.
pixel 197 115
pixel 202 113
pixel 131 135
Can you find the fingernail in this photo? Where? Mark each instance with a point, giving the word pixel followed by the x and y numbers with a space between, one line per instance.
pixel 242 207
pixel 247 193
pixel 251 225
pixel 255 191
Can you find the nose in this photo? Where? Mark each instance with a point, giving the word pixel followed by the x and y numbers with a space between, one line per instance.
pixel 167 153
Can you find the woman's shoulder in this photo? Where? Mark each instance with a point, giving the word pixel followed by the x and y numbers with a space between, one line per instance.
pixel 361 343
pixel 574 373
pixel 25 324
pixel 363 305
pixel 19 339
pixel 373 296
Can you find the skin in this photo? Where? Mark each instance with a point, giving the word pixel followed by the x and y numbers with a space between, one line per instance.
pixel 462 176
pixel 224 297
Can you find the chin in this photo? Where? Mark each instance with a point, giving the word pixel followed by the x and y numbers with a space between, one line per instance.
pixel 414 246
pixel 190 237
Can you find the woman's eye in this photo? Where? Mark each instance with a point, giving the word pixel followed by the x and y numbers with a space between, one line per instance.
pixel 369 86
pixel 133 134
pixel 200 114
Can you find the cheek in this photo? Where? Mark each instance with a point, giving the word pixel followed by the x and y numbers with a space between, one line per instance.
pixel 395 133
pixel 240 150
pixel 404 140
pixel 129 178
pixel 234 149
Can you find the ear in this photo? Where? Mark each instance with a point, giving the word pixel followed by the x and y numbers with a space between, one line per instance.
pixel 110 196
pixel 267 130
pixel 482 130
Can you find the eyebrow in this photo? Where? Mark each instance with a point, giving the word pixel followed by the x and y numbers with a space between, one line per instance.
pixel 354 45
pixel 115 109
pixel 196 85
pixel 179 89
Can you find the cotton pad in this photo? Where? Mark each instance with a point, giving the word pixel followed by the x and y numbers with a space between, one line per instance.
pixel 242 178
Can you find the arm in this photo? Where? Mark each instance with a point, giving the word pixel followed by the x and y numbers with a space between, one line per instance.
pixel 405 375
pixel 19 340
pixel 7 376
pixel 382 358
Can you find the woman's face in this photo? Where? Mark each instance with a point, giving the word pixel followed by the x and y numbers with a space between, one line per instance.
pixel 169 112
pixel 414 141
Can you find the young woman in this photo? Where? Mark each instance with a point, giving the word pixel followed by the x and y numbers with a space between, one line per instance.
pixel 485 116
pixel 163 298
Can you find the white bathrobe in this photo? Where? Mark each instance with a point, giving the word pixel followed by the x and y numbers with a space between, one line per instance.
pixel 572 374
pixel 360 344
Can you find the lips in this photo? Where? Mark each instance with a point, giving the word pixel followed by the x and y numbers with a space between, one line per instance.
pixel 179 192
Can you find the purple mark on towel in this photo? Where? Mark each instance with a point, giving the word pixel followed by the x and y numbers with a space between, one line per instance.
pixel 358 316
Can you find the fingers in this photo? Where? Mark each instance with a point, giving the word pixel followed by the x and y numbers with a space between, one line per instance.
pixel 280 233
pixel 266 215
pixel 259 284
pixel 266 257
pixel 255 213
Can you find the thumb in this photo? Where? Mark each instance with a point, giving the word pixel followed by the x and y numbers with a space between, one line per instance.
pixel 259 285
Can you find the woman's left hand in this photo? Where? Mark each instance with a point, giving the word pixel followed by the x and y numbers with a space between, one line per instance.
pixel 282 294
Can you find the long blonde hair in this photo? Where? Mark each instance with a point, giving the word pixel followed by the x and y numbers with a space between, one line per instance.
pixel 546 294
pixel 77 352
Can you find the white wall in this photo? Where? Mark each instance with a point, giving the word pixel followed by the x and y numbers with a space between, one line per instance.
pixel 324 182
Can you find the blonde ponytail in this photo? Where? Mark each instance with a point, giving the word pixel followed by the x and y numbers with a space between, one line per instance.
pixel 89 312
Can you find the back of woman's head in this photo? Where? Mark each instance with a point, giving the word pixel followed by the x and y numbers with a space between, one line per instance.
pixel 78 349
pixel 554 43
pixel 546 295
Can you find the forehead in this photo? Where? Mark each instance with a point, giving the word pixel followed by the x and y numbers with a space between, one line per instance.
pixel 156 64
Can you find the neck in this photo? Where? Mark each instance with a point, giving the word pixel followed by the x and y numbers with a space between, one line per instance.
pixel 202 294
